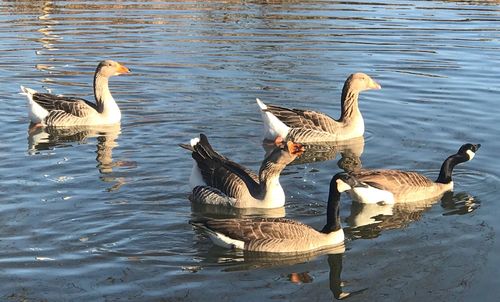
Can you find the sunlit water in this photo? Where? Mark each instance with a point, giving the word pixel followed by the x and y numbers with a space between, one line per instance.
pixel 98 215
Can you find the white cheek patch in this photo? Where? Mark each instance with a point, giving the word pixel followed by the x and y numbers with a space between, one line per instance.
pixel 471 154
pixel 342 186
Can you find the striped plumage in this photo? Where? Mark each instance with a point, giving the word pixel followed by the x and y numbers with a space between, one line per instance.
pixel 217 180
pixel 391 186
pixel 277 235
pixel 307 126
pixel 60 111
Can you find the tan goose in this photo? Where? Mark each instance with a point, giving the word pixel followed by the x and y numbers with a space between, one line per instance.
pixel 307 126
pixel 60 111
pixel 217 180
pixel 277 235
pixel 391 186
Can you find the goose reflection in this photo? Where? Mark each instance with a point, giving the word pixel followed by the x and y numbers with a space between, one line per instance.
pixel 238 260
pixel 369 220
pixel 350 152
pixel 216 211
pixel 48 138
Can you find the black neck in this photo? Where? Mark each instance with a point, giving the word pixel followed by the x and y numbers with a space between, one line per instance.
pixel 333 209
pixel 448 165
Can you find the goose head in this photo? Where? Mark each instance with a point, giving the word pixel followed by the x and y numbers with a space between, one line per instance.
pixel 285 153
pixel 468 150
pixel 360 81
pixel 109 68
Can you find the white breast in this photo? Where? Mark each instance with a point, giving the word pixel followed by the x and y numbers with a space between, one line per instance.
pixel 371 195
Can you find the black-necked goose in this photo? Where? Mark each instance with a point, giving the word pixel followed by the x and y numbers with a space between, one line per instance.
pixel 60 111
pixel 391 186
pixel 219 181
pixel 307 126
pixel 278 235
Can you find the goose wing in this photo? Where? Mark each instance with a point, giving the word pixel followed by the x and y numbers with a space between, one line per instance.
pixel 393 180
pixel 70 105
pixel 268 229
pixel 308 119
pixel 220 172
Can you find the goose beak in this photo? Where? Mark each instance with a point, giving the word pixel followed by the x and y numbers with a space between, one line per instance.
pixel 122 69
pixel 477 146
pixel 295 149
pixel 374 85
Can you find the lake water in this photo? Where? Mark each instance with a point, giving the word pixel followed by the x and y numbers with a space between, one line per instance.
pixel 102 215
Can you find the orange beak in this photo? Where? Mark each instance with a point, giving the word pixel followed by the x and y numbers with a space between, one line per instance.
pixel 122 69
pixel 295 149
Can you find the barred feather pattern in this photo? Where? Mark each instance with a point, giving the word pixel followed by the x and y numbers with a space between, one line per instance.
pixel 406 186
pixel 271 234
pixel 209 195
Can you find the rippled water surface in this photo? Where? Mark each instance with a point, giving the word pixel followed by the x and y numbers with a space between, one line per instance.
pixel 102 214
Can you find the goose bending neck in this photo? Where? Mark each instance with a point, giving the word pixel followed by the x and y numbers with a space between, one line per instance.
pixel 333 208
pixel 269 175
pixel 447 167
pixel 349 103
pixel 106 105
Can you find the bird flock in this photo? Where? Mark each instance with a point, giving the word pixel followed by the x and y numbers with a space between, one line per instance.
pixel 218 181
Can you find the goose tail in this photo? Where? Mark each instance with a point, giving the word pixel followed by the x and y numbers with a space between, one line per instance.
pixel 36 112
pixel 273 127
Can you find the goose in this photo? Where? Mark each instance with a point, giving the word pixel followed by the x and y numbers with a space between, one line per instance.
pixel 217 180
pixel 47 109
pixel 395 186
pixel 277 235
pixel 307 126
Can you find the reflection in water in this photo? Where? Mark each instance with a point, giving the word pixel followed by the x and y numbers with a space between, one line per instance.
pixel 247 260
pixel 369 220
pixel 350 152
pixel 47 138
pixel 217 211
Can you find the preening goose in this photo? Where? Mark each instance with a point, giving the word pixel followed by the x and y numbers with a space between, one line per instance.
pixel 307 126
pixel 391 186
pixel 278 235
pixel 219 181
pixel 60 111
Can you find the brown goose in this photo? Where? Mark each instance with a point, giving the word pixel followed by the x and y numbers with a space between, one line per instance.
pixel 219 181
pixel 391 186
pixel 278 235
pixel 60 111
pixel 307 126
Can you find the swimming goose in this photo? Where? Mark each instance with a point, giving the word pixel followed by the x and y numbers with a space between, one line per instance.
pixel 277 235
pixel 219 181
pixel 307 126
pixel 391 186
pixel 60 111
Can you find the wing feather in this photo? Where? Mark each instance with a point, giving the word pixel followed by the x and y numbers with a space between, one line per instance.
pixel 308 119
pixel 74 106
pixel 393 180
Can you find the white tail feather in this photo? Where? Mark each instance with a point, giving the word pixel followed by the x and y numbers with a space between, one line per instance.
pixel 194 141
pixel 36 112
pixel 273 127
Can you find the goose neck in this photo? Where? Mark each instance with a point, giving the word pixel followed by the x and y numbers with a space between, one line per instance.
pixel 445 174
pixel 333 209
pixel 349 103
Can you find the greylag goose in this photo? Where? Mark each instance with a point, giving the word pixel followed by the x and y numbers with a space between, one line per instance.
pixel 307 126
pixel 217 180
pixel 60 111
pixel 277 235
pixel 391 186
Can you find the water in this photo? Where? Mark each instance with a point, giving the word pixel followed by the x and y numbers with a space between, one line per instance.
pixel 100 215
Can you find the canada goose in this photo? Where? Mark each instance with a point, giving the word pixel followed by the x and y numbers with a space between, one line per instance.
pixel 391 186
pixel 217 180
pixel 278 235
pixel 60 111
pixel 306 126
